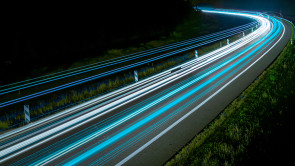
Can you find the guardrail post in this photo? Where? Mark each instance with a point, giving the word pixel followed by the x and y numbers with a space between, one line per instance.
pixel 196 53
pixel 27 113
pixel 227 41
pixel 135 76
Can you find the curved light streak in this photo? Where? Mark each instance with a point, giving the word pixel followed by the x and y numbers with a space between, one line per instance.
pixel 269 32
pixel 91 78
pixel 98 65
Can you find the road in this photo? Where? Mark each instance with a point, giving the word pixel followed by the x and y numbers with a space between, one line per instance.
pixel 147 122
pixel 41 86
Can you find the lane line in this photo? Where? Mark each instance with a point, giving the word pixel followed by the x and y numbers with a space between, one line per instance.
pixel 192 111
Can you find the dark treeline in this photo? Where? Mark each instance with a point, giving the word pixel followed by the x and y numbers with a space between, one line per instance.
pixel 53 34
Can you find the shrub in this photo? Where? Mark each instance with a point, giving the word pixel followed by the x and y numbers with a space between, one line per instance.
pixel 4 125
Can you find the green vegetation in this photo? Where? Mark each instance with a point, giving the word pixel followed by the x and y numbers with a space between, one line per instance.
pixel 213 46
pixel 4 125
pixel 263 106
pixel 86 92
pixel 190 27
pixel 94 90
pixel 194 24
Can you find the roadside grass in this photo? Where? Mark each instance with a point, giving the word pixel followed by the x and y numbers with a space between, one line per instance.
pixel 68 98
pixel 48 105
pixel 191 26
pixel 225 141
pixel 13 116
pixel 213 46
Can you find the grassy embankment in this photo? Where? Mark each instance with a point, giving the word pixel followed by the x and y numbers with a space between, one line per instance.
pixel 56 102
pixel 255 128
pixel 73 97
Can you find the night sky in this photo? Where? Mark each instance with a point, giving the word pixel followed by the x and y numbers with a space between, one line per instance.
pixel 51 23
pixel 55 34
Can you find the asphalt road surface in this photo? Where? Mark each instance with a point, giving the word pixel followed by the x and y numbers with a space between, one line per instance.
pixel 147 122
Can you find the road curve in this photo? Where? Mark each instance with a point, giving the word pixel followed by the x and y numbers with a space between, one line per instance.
pixel 64 79
pixel 146 123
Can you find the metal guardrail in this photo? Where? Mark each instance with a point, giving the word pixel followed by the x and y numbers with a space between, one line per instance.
pixel 91 78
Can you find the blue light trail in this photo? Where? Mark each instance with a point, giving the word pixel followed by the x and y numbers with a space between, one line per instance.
pixel 144 119
pixel 74 83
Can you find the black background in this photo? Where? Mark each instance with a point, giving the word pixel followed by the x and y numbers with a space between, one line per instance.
pixel 54 34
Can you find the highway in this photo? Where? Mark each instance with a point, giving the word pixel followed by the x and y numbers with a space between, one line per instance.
pixel 147 122
pixel 118 65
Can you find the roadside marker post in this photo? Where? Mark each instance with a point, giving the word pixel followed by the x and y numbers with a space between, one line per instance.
pixel 27 113
pixel 135 76
pixel 196 53
pixel 291 41
pixel 243 34
pixel 252 30
pixel 227 41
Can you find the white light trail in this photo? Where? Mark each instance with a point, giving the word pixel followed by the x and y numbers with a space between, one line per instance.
pixel 188 68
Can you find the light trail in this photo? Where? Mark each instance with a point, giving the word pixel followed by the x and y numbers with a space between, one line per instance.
pixel 200 62
pixel 221 67
pixel 84 80
pixel 91 67
pixel 119 103
pixel 115 138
